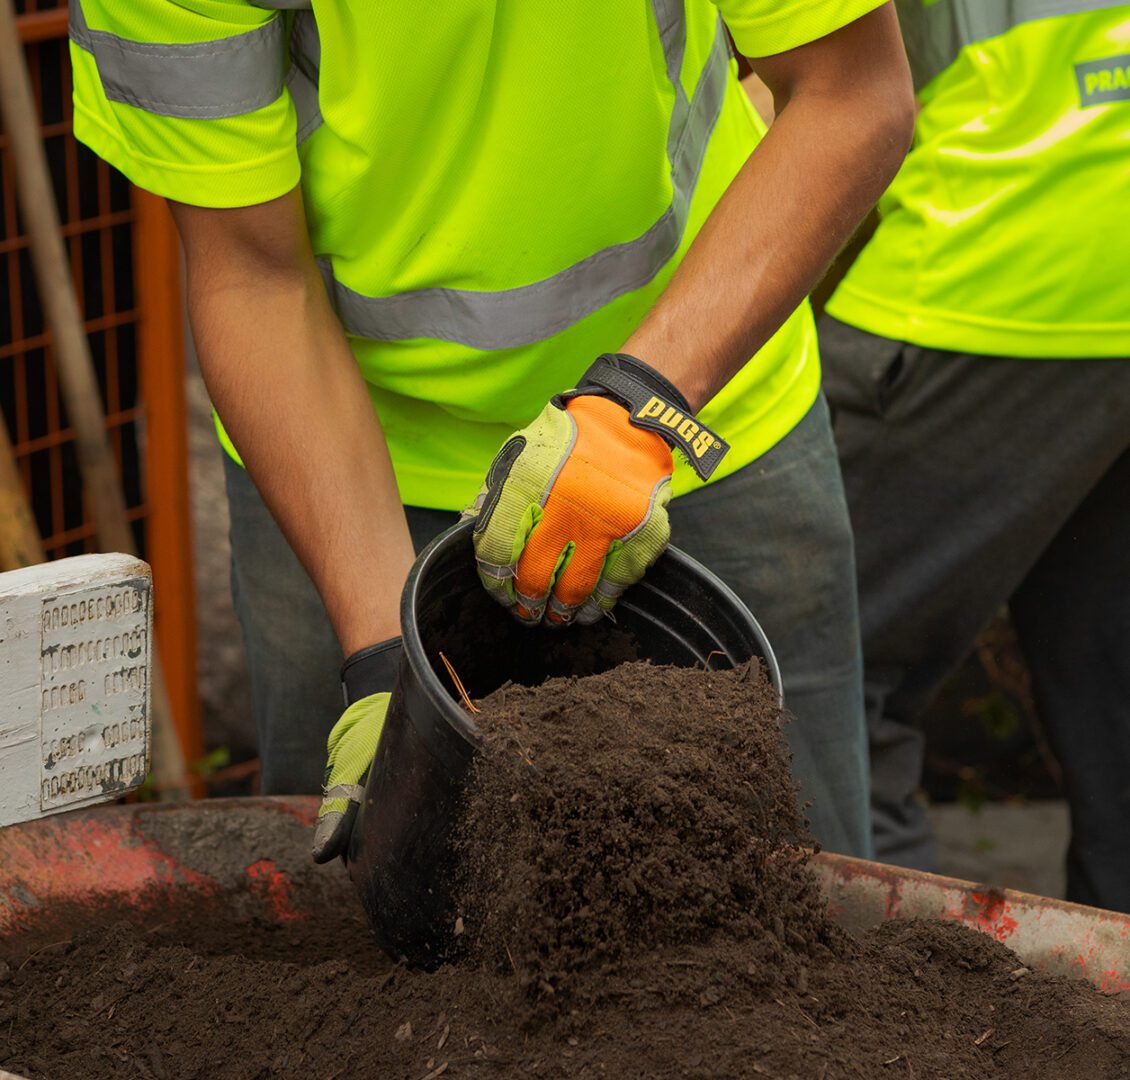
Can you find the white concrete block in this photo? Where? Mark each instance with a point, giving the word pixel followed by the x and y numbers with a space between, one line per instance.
pixel 75 660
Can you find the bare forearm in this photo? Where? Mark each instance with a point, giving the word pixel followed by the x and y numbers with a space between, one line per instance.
pixel 821 167
pixel 283 379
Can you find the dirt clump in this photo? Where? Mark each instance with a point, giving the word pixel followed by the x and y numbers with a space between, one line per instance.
pixel 643 807
pixel 634 906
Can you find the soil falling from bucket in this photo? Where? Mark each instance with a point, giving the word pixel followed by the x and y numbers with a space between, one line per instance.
pixel 630 910
pixel 640 808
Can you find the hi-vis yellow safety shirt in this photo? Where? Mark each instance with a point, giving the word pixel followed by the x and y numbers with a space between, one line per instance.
pixel 1007 231
pixel 497 192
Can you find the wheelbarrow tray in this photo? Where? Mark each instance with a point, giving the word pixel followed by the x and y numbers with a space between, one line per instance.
pixel 112 861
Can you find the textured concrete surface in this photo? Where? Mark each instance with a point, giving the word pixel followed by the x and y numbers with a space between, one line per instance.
pixel 1016 845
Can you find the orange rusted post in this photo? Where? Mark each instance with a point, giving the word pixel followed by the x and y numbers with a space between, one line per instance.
pixel 168 523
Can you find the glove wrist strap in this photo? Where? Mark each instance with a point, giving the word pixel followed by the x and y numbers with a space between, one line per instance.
pixel 371 671
pixel 655 404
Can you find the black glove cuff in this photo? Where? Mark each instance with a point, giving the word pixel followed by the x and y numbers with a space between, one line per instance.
pixel 655 404
pixel 371 671
pixel 625 377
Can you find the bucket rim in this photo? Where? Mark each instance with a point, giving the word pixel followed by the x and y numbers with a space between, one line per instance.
pixel 460 533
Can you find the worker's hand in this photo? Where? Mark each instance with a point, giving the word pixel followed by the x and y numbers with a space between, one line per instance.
pixel 367 680
pixel 574 508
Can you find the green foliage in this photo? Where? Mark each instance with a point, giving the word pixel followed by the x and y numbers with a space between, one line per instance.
pixel 971 791
pixel 217 758
pixel 998 715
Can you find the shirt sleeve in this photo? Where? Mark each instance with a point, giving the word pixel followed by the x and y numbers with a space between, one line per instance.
pixel 187 98
pixel 768 27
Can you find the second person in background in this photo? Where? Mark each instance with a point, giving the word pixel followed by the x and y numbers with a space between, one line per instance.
pixel 977 361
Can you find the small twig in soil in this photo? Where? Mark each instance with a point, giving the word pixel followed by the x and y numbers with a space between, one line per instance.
pixel 799 1010
pixel 439 1070
pixel 983 1036
pixel 458 685
pixel 43 948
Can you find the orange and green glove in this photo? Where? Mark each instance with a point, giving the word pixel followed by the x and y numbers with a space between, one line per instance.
pixel 367 679
pixel 574 508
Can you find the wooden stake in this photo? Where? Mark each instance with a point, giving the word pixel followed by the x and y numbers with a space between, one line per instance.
pixel 72 354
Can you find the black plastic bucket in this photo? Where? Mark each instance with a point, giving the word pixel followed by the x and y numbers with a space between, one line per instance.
pixel 399 851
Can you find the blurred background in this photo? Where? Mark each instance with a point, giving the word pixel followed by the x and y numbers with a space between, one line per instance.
pixel 991 783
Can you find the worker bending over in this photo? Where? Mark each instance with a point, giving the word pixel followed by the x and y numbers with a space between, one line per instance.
pixel 408 230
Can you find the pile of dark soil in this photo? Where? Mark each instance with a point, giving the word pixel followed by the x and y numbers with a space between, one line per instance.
pixel 643 807
pixel 641 912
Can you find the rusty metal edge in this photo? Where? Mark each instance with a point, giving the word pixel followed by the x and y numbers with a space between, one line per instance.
pixel 1050 935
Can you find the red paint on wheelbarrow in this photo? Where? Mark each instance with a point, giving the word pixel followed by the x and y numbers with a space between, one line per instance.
pixel 275 886
pixel 1051 935
pixel 138 856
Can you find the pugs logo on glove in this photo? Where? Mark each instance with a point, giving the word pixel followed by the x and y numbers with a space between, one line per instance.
pixel 654 404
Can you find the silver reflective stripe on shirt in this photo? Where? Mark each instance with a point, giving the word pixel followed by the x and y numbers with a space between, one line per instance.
pixel 511 318
pixel 305 63
pixel 302 78
pixel 935 33
pixel 201 80
pixel 672 25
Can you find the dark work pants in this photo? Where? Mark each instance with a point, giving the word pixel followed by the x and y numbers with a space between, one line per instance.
pixel 973 482
pixel 776 531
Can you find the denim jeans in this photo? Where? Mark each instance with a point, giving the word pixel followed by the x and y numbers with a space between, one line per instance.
pixel 976 481
pixel 776 532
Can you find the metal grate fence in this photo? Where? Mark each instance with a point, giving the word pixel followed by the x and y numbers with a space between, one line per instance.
pixel 125 265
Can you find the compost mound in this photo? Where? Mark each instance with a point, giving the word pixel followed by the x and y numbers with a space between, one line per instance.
pixel 635 904
pixel 642 807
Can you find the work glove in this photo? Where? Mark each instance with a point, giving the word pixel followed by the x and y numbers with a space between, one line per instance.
pixel 367 679
pixel 574 508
